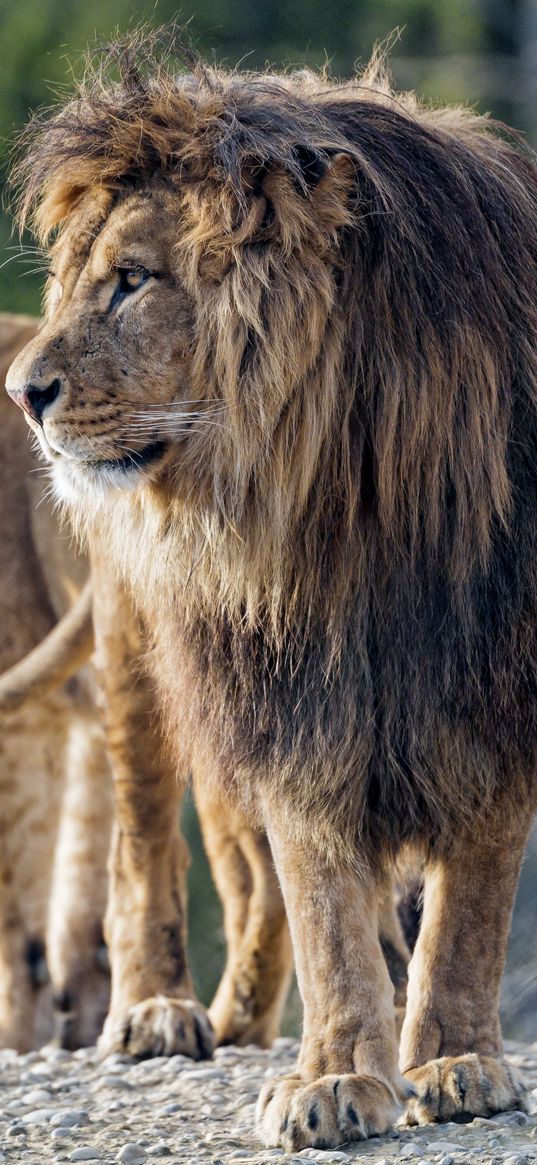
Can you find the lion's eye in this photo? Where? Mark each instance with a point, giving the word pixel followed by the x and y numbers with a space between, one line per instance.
pixel 131 278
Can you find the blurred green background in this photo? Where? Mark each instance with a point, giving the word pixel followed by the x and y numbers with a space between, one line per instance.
pixel 483 52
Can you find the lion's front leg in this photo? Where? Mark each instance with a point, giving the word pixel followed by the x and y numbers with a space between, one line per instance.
pixel 347 1085
pixel 451 1047
pixel 153 1009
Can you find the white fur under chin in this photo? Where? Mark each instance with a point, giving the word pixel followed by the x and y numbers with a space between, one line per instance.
pixel 88 488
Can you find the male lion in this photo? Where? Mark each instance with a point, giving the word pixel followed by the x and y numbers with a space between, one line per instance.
pixel 287 383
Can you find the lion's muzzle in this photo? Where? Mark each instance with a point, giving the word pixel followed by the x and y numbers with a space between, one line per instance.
pixel 34 386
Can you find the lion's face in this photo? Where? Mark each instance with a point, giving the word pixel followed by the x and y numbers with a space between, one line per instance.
pixel 188 322
pixel 106 383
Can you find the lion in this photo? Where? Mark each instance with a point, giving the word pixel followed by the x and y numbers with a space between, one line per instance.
pixel 286 388
pixel 54 779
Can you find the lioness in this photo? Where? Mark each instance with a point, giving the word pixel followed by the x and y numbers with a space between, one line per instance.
pixel 55 810
pixel 54 775
pixel 287 387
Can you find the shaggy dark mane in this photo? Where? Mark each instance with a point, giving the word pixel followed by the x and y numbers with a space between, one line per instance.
pixel 119 129
pixel 388 588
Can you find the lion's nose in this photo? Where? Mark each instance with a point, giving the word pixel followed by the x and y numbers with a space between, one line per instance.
pixel 35 399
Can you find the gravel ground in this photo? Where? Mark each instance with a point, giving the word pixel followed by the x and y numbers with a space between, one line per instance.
pixel 62 1107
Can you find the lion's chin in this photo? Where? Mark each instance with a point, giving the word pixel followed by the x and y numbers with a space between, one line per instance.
pixel 77 481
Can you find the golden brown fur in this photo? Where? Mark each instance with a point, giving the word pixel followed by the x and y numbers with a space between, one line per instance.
pixel 54 804
pixel 290 384
pixel 154 1010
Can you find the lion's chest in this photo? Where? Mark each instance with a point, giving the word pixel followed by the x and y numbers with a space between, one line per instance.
pixel 390 740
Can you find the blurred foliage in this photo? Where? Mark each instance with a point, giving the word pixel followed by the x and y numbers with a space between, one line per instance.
pixel 479 51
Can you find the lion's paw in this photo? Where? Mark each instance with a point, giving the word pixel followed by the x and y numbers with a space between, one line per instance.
pixel 296 1115
pixel 160 1027
pixel 468 1085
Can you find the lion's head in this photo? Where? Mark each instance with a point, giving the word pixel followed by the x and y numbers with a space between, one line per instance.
pixel 292 308
pixel 191 283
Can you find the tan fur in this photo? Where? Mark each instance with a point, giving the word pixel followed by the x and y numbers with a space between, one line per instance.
pixel 54 661
pixel 53 772
pixel 153 1009
pixel 288 380
pixel 61 821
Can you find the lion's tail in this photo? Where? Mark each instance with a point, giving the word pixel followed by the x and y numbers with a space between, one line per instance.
pixel 54 660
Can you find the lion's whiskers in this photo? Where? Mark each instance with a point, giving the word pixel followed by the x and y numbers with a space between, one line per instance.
pixel 27 257
pixel 175 422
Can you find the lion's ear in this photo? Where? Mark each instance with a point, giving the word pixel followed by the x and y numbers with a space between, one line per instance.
pixel 304 203
pixel 315 188
pixel 333 196
pixel 328 167
pixel 308 169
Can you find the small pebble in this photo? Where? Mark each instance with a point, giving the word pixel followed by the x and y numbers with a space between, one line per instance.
pixel 202 1075
pixel 116 1082
pixel 177 1063
pixel 85 1153
pixel 40 1116
pixel 411 1149
pixel 132 1154
pixel 70 1118
pixel 37 1096
pixel 17 1130
pixel 32 1076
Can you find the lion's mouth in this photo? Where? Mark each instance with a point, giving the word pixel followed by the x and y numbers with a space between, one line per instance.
pixel 131 461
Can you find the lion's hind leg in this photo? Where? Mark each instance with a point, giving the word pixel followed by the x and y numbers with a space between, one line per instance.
pixel 248 1004
pixel 75 944
pixel 396 952
pixel 451 1047
pixel 30 790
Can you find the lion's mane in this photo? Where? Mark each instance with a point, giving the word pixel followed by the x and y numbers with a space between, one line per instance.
pixel 362 629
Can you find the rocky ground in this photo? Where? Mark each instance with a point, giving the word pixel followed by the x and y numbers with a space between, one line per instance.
pixel 61 1107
